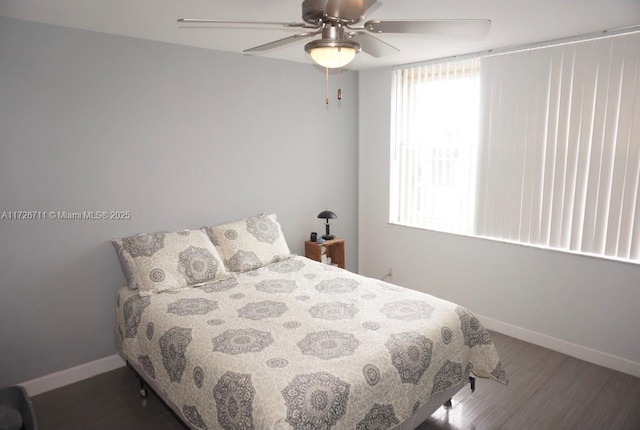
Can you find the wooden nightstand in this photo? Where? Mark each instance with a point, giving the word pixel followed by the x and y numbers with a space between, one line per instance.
pixel 333 249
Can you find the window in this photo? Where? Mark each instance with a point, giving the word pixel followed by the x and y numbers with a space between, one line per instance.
pixel 539 146
pixel 436 146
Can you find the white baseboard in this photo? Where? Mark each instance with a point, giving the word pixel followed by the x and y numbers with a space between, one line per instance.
pixel 74 374
pixel 574 350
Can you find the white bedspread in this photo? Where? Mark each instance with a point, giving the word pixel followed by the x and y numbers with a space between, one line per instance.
pixel 299 344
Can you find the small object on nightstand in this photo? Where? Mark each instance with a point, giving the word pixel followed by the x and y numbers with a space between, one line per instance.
pixel 314 237
pixel 329 251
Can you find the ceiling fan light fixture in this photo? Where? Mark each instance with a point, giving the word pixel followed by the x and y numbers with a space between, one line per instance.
pixel 332 54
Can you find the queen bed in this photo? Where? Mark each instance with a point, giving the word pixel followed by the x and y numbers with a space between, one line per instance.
pixel 278 341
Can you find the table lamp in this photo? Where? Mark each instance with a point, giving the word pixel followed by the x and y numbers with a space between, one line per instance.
pixel 327 215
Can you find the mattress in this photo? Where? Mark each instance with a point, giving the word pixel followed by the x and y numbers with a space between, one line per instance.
pixel 301 345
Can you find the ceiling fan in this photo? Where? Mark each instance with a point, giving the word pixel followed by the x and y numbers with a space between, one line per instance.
pixel 342 34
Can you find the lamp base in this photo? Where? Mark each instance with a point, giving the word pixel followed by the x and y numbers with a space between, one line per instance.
pixel 328 237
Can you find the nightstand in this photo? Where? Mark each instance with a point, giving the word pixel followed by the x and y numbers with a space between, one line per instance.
pixel 333 249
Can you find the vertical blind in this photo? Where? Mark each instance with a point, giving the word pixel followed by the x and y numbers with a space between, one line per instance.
pixel 560 147
pixel 552 159
pixel 434 158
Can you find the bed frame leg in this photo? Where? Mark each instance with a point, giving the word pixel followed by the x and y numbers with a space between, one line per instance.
pixel 143 388
pixel 472 381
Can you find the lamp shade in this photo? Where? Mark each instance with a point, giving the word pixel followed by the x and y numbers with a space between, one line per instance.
pixel 332 53
pixel 332 57
pixel 327 215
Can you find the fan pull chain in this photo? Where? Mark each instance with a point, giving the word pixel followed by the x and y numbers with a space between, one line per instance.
pixel 326 92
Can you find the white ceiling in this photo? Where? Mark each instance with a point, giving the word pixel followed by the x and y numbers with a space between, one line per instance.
pixel 515 22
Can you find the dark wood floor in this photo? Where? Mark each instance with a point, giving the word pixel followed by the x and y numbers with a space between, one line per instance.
pixel 547 390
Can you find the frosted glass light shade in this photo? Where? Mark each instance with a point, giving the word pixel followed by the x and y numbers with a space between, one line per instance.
pixel 333 57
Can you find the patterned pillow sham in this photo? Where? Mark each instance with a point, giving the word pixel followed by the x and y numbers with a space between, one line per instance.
pixel 155 262
pixel 250 243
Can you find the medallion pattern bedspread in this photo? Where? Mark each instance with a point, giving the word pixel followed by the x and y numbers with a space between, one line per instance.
pixel 303 345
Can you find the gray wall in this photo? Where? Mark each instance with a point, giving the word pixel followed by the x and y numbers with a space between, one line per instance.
pixel 180 137
pixel 587 305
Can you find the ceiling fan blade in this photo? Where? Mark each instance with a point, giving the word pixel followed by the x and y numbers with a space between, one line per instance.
pixel 281 42
pixel 230 22
pixel 347 10
pixel 374 46
pixel 445 27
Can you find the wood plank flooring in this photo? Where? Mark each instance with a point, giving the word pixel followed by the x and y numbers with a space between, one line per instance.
pixel 547 391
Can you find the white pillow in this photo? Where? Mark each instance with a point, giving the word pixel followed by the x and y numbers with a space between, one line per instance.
pixel 250 243
pixel 155 262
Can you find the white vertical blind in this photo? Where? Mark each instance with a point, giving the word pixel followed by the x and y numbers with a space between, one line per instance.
pixel 434 148
pixel 559 161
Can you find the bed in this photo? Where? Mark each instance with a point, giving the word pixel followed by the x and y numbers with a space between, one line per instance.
pixel 298 344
